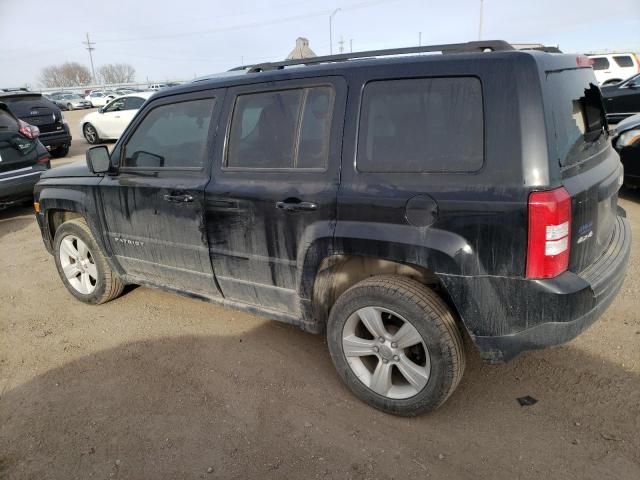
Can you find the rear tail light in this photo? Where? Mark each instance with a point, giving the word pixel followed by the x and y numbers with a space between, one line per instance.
pixel 43 159
pixel 29 131
pixel 584 61
pixel 549 233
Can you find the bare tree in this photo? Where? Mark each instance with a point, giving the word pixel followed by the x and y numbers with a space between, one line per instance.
pixel 69 74
pixel 117 73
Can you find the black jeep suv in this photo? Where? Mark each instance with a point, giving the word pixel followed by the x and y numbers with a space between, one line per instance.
pixel 37 110
pixel 391 201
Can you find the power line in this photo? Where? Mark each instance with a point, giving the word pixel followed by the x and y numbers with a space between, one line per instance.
pixel 90 48
pixel 256 24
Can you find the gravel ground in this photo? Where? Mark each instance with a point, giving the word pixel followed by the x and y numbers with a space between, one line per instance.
pixel 154 385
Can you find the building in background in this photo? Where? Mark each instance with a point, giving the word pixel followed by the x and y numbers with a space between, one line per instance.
pixel 301 50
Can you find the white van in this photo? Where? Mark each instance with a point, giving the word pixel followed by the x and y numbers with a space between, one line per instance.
pixel 614 67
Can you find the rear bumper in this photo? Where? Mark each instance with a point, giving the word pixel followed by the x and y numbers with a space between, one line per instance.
pixel 56 139
pixel 506 317
pixel 18 187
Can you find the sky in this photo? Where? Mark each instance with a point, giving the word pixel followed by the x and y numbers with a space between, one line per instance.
pixel 168 40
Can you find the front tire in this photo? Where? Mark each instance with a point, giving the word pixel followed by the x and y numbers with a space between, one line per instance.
pixel 69 107
pixel 81 266
pixel 396 345
pixel 90 134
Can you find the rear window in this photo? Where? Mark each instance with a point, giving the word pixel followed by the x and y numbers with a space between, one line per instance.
pixel 421 125
pixel 7 122
pixel 578 114
pixel 624 61
pixel 22 106
pixel 600 63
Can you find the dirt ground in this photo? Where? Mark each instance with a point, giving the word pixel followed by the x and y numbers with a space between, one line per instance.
pixel 157 386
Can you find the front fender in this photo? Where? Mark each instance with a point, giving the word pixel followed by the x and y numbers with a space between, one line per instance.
pixel 77 195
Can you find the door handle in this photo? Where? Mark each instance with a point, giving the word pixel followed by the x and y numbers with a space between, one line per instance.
pixel 295 205
pixel 180 198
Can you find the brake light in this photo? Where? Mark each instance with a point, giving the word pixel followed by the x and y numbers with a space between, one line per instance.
pixel 43 159
pixel 549 233
pixel 29 131
pixel 584 61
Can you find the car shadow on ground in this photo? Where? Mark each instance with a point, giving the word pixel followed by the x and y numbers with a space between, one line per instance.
pixel 16 218
pixel 268 404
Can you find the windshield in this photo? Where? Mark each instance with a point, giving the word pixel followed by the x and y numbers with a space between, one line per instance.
pixel 578 114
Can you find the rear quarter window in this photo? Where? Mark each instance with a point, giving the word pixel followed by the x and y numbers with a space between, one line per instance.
pixel 578 114
pixel 623 61
pixel 424 125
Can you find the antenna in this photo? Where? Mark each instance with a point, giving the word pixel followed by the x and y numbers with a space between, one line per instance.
pixel 90 48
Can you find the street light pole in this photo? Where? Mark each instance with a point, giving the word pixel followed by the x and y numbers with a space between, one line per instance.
pixel 480 24
pixel 331 30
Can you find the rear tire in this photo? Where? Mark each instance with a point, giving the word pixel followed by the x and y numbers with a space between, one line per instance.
pixel 412 369
pixel 69 107
pixel 60 151
pixel 81 265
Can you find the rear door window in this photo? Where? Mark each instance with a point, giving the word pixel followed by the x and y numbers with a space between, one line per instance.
pixel 284 129
pixel 600 63
pixel 421 125
pixel 623 61
pixel 133 103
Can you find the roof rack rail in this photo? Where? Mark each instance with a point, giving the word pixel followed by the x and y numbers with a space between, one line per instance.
pixel 468 47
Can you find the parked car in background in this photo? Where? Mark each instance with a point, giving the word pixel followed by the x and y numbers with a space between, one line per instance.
pixel 626 141
pixel 22 158
pixel 614 67
pixel 37 110
pixel 157 86
pixel 71 101
pixel 391 203
pixel 622 100
pixel 109 122
pixel 99 98
pixel 125 91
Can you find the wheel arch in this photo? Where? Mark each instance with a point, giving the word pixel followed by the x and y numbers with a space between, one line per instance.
pixel 337 273
pixel 59 205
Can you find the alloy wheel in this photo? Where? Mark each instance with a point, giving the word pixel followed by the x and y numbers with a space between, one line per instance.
pixel 90 133
pixel 386 352
pixel 78 264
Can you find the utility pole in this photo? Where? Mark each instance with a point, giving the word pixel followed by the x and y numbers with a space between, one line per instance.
pixel 331 30
pixel 419 39
pixel 341 42
pixel 480 25
pixel 89 45
pixel 351 45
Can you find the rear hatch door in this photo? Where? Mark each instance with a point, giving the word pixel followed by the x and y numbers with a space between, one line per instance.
pixel 16 151
pixel 590 168
pixel 36 110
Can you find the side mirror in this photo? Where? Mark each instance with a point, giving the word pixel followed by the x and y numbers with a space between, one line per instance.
pixel 634 85
pixel 98 159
